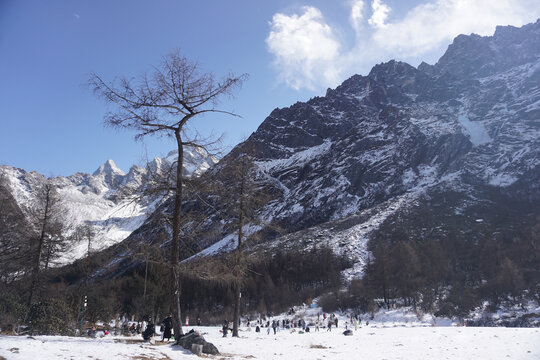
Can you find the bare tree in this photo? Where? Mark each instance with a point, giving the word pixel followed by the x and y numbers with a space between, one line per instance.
pixel 14 234
pixel 85 232
pixel 163 104
pixel 245 196
pixel 48 242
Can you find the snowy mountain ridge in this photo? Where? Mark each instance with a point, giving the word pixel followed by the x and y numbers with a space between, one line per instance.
pixel 93 199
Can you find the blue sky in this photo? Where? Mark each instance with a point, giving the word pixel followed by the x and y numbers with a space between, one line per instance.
pixel 292 50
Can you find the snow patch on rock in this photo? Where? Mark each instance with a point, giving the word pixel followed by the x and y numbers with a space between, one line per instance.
pixel 475 130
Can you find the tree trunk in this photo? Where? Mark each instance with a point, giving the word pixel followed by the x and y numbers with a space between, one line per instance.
pixel 236 309
pixel 89 245
pixel 145 280
pixel 37 257
pixel 238 280
pixel 175 243
pixel 48 250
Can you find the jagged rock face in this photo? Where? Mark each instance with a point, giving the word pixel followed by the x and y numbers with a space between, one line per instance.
pixel 473 118
pixel 477 57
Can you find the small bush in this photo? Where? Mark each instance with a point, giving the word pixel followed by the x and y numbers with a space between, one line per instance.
pixel 50 318
pixel 329 303
pixel 12 311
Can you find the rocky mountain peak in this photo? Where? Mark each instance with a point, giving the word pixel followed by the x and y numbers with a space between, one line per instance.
pixel 111 174
pixel 109 167
pixel 479 56
pixel 392 68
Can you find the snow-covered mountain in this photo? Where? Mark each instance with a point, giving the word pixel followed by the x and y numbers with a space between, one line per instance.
pixel 459 137
pixel 444 150
pixel 100 201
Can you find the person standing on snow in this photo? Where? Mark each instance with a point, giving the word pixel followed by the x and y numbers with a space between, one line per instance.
pixel 225 328
pixel 167 323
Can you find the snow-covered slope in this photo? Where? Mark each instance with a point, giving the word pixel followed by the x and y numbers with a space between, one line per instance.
pixel 99 201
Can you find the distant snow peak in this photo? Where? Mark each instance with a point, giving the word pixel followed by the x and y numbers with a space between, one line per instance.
pixel 172 156
pixel 476 130
pixel 110 174
pixel 109 167
pixel 92 199
pixel 196 161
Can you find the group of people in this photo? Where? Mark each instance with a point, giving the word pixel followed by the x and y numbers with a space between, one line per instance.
pixel 332 321
pixel 94 332
pixel 145 327
pixel 119 326
pixel 150 329
pixel 323 321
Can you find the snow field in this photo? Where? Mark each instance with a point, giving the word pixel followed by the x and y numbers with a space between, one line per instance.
pixel 366 343
pixel 389 343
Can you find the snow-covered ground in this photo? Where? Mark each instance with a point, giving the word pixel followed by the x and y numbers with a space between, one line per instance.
pixel 368 342
pixel 390 334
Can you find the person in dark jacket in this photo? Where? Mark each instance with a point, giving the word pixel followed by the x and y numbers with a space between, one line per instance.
pixel 148 332
pixel 167 323
pixel 225 328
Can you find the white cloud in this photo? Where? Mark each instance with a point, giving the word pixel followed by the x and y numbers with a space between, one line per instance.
pixel 357 15
pixel 437 22
pixel 76 16
pixel 305 49
pixel 309 55
pixel 380 13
